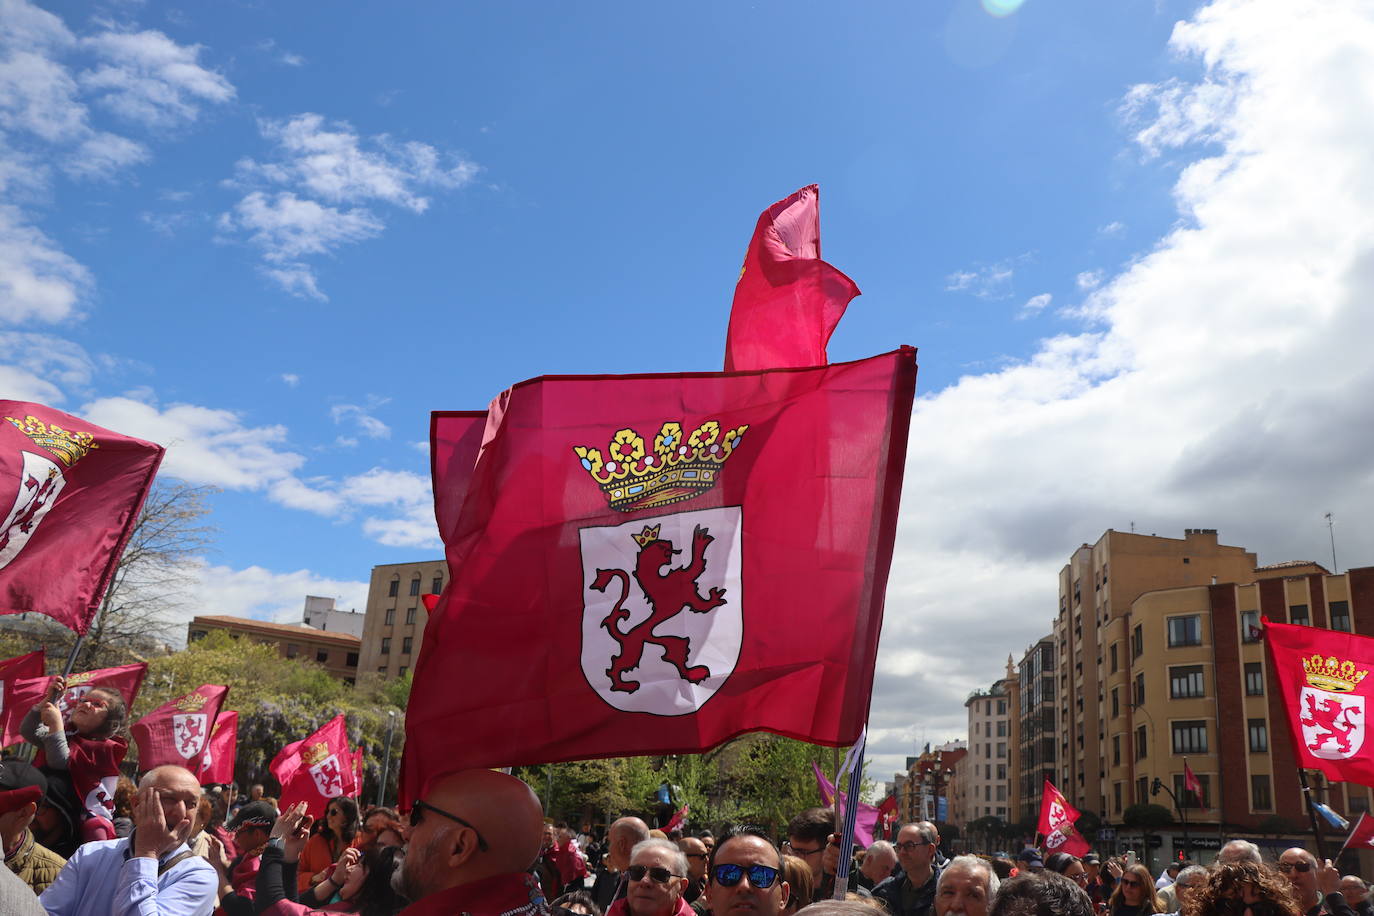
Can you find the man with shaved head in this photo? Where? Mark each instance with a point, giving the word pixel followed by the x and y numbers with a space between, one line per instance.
pixel 473 838
pixel 624 835
pixel 150 871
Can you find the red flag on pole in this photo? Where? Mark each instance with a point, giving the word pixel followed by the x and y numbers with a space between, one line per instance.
pixel 677 820
pixel 1323 679
pixel 77 490
pixel 316 769
pixel 787 301
pixel 25 693
pixel 179 730
pixel 1192 783
pixel 1361 835
pixel 1057 818
pixel 13 669
pixel 217 763
pixel 731 543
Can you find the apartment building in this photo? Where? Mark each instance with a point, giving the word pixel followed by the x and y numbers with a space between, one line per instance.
pixel 337 652
pixel 396 617
pixel 983 776
pixel 1034 760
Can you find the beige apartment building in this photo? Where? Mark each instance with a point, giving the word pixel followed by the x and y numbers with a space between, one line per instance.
pixel 1036 740
pixel 396 617
pixel 983 776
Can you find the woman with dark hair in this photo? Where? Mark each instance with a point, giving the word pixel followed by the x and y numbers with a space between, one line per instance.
pixel 1243 889
pixel 335 834
pixel 1135 893
pixel 1070 867
pixel 576 903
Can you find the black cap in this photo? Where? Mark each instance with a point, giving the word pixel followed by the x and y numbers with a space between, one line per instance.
pixel 254 814
pixel 1031 855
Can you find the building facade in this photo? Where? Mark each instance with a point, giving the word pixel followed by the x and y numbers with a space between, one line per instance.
pixel 1036 738
pixel 321 614
pixel 983 776
pixel 396 617
pixel 337 652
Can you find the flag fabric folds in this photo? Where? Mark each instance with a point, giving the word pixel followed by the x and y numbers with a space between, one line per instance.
pixel 179 730
pixel 1323 679
pixel 13 669
pixel 1057 819
pixel 1361 835
pixel 1193 784
pixel 866 817
pixel 787 301
pixel 217 763
pixel 70 493
pixel 655 564
pixel 316 769
pixel 24 693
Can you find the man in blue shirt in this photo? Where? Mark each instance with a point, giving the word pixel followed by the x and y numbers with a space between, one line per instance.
pixel 149 873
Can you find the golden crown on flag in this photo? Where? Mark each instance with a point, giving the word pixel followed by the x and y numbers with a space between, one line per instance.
pixel 1329 674
pixel 192 702
pixel 678 468
pixel 647 536
pixel 315 753
pixel 80 677
pixel 68 447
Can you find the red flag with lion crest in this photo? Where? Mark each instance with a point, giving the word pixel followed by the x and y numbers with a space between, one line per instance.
pixel 179 730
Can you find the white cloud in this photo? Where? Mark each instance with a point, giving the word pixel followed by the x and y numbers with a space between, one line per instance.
pixel 1112 230
pixel 38 281
pixel 1224 382
pixel 61 364
pixel 1035 305
pixel 292 60
pixel 263 594
pixel 367 424
pixel 291 379
pixel 986 281
pixel 150 79
pixel 1088 279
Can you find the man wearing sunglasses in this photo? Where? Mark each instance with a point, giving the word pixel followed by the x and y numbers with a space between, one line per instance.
pixel 912 893
pixel 1318 888
pixel 625 834
pixel 746 876
pixel 655 880
pixel 471 841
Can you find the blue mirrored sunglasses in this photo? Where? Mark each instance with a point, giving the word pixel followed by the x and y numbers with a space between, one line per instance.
pixel 761 876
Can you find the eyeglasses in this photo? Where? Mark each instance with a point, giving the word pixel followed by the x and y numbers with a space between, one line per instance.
pixel 658 873
pixel 417 815
pixel 95 702
pixel 760 876
pixel 1081 877
pixel 1301 867
pixel 1130 882
pixel 801 853
pixel 910 845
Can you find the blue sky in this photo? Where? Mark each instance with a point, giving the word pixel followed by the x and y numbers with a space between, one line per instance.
pixel 1127 238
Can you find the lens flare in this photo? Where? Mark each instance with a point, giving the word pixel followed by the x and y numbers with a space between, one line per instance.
pixel 1000 8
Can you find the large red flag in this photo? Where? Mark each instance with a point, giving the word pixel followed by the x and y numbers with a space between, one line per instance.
pixel 1323 679
pixel 718 568
pixel 316 769
pixel 25 693
pixel 217 763
pixel 12 669
pixel 179 730
pixel 1057 819
pixel 787 300
pixel 77 492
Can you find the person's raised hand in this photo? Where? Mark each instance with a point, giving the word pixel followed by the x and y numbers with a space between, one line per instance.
pixel 1328 878
pixel 152 834
pixel 350 861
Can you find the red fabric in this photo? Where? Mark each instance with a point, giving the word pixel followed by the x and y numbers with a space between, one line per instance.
pixel 798 533
pixel 622 908
pixel 1361 835
pixel 1192 783
pixel 70 493
pixel 676 821
pixel 94 767
pixel 22 694
pixel 217 766
pixel 516 894
pixel 11 670
pixel 178 731
pixel 316 769
pixel 1323 678
pixel 1057 819
pixel 787 300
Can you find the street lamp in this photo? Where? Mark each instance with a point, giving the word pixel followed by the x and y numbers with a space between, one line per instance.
pixel 386 757
pixel 1155 789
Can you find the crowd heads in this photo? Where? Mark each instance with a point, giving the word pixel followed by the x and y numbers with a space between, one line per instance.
pixel 966 887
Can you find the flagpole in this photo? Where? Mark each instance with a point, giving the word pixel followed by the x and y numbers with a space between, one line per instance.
pixel 71 656
pixel 1312 814
pixel 856 775
pixel 1353 831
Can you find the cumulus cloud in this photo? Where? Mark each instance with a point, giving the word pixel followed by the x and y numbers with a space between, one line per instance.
pixel 291 379
pixel 360 416
pixel 1035 305
pixel 262 594
pixel 1088 279
pixel 986 281
pixel 38 280
pixel 148 78
pixel 1221 383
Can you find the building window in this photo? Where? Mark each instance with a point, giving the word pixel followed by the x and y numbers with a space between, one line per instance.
pixel 1190 799
pixel 1111 652
pixel 291 650
pixel 351 660
pixel 1249 626
pixel 1116 702
pixel 1140 689
pixel 322 656
pixel 437 585
pixel 1142 789
pixel 381 669
pixel 1140 749
pixel 390 617
pixel 1001 771
pixel 1001 750
pixel 1254 679
pixel 1185 631
pixel 1001 707
pixel 410 615
pixel 1116 797
pixel 404 669
pixel 1340 615
pixel 1002 729
pixel 414 586
pixel 1185 681
pixel 1190 736
pixel 405 645
pixel 1138 642
pixel 386 645
pixel 1116 750
pixel 1259 736
pixel 1260 798
pixel 393 588
pixel 1297 614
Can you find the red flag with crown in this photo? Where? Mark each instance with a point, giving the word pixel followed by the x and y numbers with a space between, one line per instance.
pixel 1323 679
pixel 217 763
pixel 70 493
pixel 316 769
pixel 24 693
pixel 178 731
pixel 1057 818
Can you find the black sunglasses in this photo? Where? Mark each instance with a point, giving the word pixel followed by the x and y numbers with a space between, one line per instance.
pixel 659 874
pixel 1303 867
pixel 761 876
pixel 417 815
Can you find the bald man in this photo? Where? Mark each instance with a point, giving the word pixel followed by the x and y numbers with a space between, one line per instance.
pixel 624 835
pixel 472 840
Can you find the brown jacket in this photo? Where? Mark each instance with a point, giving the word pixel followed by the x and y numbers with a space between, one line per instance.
pixel 36 865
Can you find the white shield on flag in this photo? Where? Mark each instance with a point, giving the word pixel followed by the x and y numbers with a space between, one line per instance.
pixel 39 483
pixel 189 732
pixel 1332 723
pixel 70 698
pixel 1058 816
pixel 328 779
pixel 100 800
pixel 663 609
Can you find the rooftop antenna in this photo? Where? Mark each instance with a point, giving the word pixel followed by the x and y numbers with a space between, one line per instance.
pixel 1132 527
pixel 1331 530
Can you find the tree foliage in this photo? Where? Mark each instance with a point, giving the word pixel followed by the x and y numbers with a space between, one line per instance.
pixel 1147 816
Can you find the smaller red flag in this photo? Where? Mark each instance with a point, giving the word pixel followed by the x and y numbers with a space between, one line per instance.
pixel 1361 835
pixel 217 763
pixel 1193 784
pixel 11 670
pixel 316 769
pixel 677 820
pixel 1057 818
pixel 22 694
pixel 178 731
